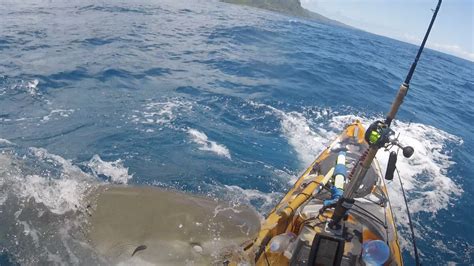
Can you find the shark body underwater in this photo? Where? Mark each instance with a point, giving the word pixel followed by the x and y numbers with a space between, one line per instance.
pixel 150 225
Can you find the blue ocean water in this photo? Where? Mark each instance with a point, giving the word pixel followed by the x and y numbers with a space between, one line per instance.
pixel 215 99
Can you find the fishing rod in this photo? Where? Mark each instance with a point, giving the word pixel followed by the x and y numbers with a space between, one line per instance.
pixel 402 92
pixel 378 135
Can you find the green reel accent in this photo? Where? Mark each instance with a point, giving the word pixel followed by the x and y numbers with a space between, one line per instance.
pixel 374 137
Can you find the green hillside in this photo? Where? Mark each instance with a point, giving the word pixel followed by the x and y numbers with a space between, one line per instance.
pixel 288 7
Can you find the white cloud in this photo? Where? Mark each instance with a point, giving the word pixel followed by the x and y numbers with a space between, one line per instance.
pixel 453 49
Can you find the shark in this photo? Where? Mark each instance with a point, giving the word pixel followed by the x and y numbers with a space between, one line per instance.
pixel 153 226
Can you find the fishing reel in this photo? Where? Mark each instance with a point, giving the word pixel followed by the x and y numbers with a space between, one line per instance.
pixel 380 135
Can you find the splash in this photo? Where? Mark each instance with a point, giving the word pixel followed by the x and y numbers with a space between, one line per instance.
pixel 53 181
pixel 307 136
pixel 60 192
pixel 44 201
pixel 425 175
pixel 32 87
pixel 205 144
pixel 264 202
pixel 115 170
pixel 307 141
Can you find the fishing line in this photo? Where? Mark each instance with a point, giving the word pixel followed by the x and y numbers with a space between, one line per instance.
pixel 417 259
pixel 266 259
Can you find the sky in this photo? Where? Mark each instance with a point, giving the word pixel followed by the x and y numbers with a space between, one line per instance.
pixel 407 20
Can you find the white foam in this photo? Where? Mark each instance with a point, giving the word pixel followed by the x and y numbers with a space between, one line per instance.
pixel 425 175
pixel 67 166
pixel 59 194
pixel 32 86
pixel 246 196
pixel 306 141
pixel 3 198
pixel 28 230
pixel 114 170
pixel 205 144
pixel 6 142
pixel 56 113
pixel 161 113
pixel 62 193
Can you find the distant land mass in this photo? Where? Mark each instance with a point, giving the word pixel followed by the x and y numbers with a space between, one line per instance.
pixel 288 7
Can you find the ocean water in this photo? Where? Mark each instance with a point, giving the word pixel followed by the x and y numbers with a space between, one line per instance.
pixel 215 99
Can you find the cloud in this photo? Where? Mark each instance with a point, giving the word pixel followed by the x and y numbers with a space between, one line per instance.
pixel 453 49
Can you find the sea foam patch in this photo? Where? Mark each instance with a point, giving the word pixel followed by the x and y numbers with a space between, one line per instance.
pixel 59 195
pixel 32 86
pixel 159 114
pixel 56 113
pixel 205 144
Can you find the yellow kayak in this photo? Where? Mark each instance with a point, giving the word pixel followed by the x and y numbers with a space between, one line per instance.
pixel 296 231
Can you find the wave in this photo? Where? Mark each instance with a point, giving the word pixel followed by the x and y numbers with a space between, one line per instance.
pixel 205 144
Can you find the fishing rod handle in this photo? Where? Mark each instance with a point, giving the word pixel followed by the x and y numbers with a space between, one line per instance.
pixel 402 92
pixel 359 174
